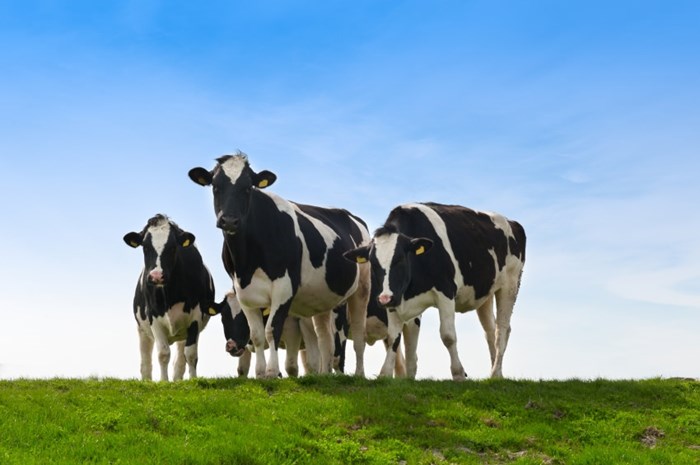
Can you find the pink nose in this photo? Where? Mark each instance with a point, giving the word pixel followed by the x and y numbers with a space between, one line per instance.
pixel 156 276
pixel 384 299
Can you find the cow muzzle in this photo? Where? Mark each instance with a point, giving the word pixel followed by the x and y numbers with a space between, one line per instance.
pixel 388 301
pixel 156 278
pixel 227 224
pixel 233 349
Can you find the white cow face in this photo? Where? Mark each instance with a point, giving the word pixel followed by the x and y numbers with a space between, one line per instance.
pixel 161 241
pixel 390 255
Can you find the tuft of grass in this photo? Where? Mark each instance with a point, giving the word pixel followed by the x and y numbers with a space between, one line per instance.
pixel 347 420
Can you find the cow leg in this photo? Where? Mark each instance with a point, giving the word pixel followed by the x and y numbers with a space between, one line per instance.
pixel 163 356
pixel 392 342
pixel 180 361
pixel 257 337
pixel 505 300
pixel 448 334
pixel 311 357
pixel 146 346
pixel 191 351
pixel 322 325
pixel 488 322
pixel 244 364
pixel 411 330
pixel 357 318
pixel 273 334
pixel 292 342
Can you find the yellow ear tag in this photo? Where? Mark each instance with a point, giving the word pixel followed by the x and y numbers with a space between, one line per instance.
pixel 361 260
pixel 133 244
pixel 212 311
pixel 420 250
pixel 266 311
pixel 262 183
pixel 186 243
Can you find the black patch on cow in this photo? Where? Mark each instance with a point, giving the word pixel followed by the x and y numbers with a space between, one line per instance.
pixel 373 307
pixel 516 243
pixel 267 240
pixel 340 273
pixel 417 321
pixel 395 345
pixel 192 334
pixel 413 224
pixel 313 240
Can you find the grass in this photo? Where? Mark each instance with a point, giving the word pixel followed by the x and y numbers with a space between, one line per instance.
pixel 345 420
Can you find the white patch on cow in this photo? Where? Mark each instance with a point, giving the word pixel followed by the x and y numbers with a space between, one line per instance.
pixel 385 248
pixel 159 237
pixel 234 166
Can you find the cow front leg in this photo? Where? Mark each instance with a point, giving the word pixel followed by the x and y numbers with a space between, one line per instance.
pixel 191 352
pixel 180 362
pixel 393 341
pixel 411 330
pixel 257 337
pixel 273 335
pixel 448 334
pixel 146 346
pixel 292 343
pixel 244 364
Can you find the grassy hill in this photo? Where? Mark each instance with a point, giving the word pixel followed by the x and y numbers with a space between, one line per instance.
pixel 344 420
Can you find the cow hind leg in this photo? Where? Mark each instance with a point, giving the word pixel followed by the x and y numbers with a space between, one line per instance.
pixel 357 319
pixel 322 325
pixel 311 358
pixel 488 322
pixel 292 342
pixel 505 300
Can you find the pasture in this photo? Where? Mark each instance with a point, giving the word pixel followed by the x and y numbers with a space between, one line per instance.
pixel 347 420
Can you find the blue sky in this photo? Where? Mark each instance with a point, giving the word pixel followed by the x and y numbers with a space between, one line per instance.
pixel 578 119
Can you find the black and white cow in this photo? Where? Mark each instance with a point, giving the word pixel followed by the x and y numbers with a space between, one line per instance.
pixel 452 258
pixel 298 335
pixel 173 296
pixel 287 257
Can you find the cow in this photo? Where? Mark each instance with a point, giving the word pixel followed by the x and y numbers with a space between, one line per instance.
pixel 287 257
pixel 453 258
pixel 173 297
pixel 297 334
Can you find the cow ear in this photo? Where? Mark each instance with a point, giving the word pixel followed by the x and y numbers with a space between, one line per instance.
pixel 215 308
pixel 264 178
pixel 133 239
pixel 186 239
pixel 200 175
pixel 421 245
pixel 358 255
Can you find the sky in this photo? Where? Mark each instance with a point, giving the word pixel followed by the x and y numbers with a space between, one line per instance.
pixel 578 119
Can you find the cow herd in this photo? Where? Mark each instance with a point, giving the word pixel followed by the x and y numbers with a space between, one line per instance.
pixel 307 279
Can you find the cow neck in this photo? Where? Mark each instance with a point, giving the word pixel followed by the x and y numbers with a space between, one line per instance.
pixel 161 299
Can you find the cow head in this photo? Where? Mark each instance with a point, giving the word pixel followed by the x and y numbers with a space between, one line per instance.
pixel 236 329
pixel 161 241
pixel 233 184
pixel 390 254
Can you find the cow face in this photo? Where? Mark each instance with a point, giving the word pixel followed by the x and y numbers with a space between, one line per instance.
pixel 236 329
pixel 390 255
pixel 233 183
pixel 161 241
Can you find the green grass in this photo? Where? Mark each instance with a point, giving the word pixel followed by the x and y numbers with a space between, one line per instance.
pixel 345 420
